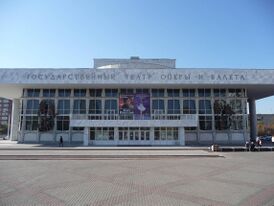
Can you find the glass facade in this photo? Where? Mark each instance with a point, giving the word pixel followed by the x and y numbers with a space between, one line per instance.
pixel 217 110
pixel 5 115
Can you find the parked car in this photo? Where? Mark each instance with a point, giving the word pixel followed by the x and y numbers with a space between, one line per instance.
pixel 266 138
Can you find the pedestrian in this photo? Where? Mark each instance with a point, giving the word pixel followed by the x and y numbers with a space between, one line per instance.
pixel 260 143
pixel 252 146
pixel 61 141
pixel 257 140
pixel 247 146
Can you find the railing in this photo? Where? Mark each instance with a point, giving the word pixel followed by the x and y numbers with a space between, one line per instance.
pixel 115 116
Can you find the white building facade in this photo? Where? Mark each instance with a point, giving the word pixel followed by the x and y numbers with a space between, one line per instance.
pixel 135 102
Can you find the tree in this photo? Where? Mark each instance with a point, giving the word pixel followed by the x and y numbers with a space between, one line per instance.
pixel 225 113
pixel 46 115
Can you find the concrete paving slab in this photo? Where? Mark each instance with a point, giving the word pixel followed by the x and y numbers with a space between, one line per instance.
pixel 172 181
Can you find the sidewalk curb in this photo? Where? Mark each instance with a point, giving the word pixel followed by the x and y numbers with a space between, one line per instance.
pixel 91 157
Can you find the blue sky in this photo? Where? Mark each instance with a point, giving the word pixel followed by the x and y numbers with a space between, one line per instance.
pixel 198 33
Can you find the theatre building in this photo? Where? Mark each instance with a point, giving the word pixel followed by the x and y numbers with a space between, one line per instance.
pixel 135 102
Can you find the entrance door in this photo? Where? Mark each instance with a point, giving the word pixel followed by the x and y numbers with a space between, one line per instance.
pixel 123 135
pixel 134 136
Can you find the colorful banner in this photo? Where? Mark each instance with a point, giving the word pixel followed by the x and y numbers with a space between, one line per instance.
pixel 142 106
pixel 126 104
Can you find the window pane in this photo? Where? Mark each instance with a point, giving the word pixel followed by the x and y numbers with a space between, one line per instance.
pixel 64 92
pixel 205 107
pixel 205 122
pixel 173 92
pixel 188 92
pixel 189 107
pixel 31 123
pixel 95 107
pixel 62 123
pixel 95 92
pixel 79 106
pixel 79 92
pixel 173 107
pixel 111 92
pixel 111 106
pixel 142 91
pixel 126 91
pixel 161 104
pixel 219 92
pixel 33 92
pixel 204 92
pixel 48 92
pixel 32 106
pixel 158 92
pixel 63 107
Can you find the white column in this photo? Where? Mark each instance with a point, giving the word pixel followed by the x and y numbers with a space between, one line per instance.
pixel 253 119
pixel 15 119
pixel 181 135
pixel 151 135
pixel 85 136
pixel 116 135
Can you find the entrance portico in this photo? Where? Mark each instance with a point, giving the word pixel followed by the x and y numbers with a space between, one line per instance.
pixel 135 132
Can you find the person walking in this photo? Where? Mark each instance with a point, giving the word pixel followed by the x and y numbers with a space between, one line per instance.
pixel 260 144
pixel 61 141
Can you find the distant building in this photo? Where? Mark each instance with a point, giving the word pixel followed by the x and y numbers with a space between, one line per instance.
pixel 265 124
pixel 135 102
pixel 5 115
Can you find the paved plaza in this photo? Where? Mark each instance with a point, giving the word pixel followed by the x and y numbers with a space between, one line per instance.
pixel 238 178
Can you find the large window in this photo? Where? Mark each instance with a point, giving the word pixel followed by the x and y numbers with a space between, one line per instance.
pixel 33 92
pixel 126 91
pixel 111 92
pixel 79 106
pixel 63 106
pixel 221 118
pixel 64 92
pixel 204 92
pixel 158 92
pixel 205 122
pixel 219 92
pixel 237 122
pixel 31 123
pixel 173 92
pixel 47 107
pixel 173 106
pixel 188 92
pixel 142 91
pixel 32 106
pixel 165 133
pixel 205 107
pixel 235 93
pixel 79 92
pixel 236 106
pixel 63 123
pixel 48 92
pixel 102 133
pixel 189 107
pixel 95 106
pixel 158 106
pixel 111 106
pixel 95 92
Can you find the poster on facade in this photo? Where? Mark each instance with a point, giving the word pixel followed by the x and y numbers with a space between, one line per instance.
pixel 126 105
pixel 142 106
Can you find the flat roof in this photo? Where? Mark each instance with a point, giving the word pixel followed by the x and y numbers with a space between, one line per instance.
pixel 258 82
